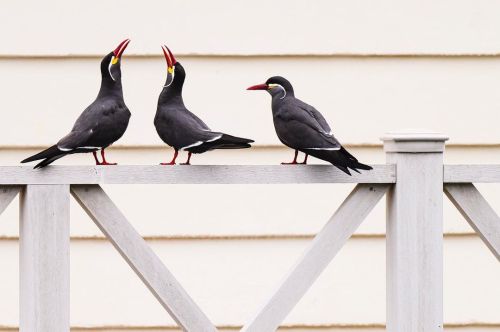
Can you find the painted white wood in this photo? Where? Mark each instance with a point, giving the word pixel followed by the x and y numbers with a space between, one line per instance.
pixel 322 250
pixel 141 258
pixel 377 79
pixel 7 195
pixel 414 234
pixel 326 27
pixel 44 258
pixel 195 174
pixel 478 213
pixel 238 276
pixel 472 173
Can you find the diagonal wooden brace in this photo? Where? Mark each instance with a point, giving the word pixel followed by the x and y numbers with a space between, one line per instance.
pixel 322 250
pixel 141 258
pixel 7 195
pixel 478 213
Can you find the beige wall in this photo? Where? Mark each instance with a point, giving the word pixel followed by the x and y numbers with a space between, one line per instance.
pixel 369 66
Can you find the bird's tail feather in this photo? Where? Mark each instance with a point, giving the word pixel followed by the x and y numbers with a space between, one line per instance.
pixel 224 142
pixel 48 161
pixel 233 142
pixel 49 155
pixel 342 159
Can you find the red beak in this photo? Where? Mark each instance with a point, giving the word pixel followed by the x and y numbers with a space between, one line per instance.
pixel 258 87
pixel 169 56
pixel 121 48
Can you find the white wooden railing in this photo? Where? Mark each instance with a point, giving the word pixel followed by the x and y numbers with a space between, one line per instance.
pixel 413 178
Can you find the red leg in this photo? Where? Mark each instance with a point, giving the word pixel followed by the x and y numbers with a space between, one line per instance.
pixel 104 162
pixel 189 158
pixel 294 162
pixel 97 162
pixel 305 160
pixel 172 162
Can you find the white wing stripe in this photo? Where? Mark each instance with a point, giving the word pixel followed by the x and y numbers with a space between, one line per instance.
pixel 201 142
pixel 89 147
pixel 214 139
pixel 329 149
pixel 80 147
pixel 192 145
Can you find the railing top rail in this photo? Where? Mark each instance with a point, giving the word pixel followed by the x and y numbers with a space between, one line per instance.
pixel 228 174
pixel 195 174
pixel 472 173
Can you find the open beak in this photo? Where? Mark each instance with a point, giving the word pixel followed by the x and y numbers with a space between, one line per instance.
pixel 169 56
pixel 259 87
pixel 121 48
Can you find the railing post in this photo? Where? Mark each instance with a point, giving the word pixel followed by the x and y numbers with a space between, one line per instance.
pixel 415 232
pixel 44 258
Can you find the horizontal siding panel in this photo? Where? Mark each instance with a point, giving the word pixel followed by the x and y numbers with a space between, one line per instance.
pixel 230 279
pixel 300 328
pixel 361 98
pixel 257 27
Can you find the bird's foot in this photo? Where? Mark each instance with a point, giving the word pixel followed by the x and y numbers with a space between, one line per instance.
pixel 168 164
pixel 105 163
pixel 292 163
pixel 188 163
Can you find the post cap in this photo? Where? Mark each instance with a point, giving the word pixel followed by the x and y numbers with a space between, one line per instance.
pixel 414 141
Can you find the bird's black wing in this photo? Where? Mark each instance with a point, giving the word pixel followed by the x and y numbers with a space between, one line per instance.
pixel 298 129
pixel 77 139
pixel 314 113
pixel 101 124
pixel 196 119
pixel 180 128
pixel 305 129
pixel 199 138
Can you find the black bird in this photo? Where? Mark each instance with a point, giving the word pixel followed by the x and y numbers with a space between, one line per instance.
pixel 180 128
pixel 301 127
pixel 101 124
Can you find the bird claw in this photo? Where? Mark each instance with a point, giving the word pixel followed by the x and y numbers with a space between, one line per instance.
pixel 185 163
pixel 168 164
pixel 292 163
pixel 107 164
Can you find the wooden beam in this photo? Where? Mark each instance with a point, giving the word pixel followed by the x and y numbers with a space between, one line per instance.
pixel 44 258
pixel 322 250
pixel 7 195
pixel 478 213
pixel 414 233
pixel 472 173
pixel 141 258
pixel 196 174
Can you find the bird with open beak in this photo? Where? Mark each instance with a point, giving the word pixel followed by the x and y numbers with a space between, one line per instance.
pixel 101 124
pixel 180 128
pixel 303 128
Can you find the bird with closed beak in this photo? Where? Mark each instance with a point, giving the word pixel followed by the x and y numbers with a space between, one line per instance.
pixel 101 124
pixel 303 128
pixel 180 128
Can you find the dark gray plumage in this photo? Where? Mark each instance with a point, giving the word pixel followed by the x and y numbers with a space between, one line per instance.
pixel 180 128
pixel 303 128
pixel 101 124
